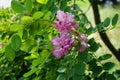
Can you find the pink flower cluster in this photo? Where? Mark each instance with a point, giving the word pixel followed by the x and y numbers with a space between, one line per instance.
pixel 65 22
pixel 62 44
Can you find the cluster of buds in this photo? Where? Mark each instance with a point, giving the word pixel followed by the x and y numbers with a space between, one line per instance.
pixel 66 24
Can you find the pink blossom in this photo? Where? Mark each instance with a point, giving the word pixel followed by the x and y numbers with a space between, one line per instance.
pixel 61 45
pixel 83 47
pixel 65 22
pixel 83 38
pixel 61 16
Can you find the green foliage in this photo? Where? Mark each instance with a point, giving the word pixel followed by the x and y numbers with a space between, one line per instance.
pixel 26 32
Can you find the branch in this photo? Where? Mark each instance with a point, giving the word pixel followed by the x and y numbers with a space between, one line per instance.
pixel 102 34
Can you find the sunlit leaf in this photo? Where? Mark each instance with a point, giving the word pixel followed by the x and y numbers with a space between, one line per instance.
pixel 9 53
pixel 16 42
pixel 37 15
pixel 28 5
pixel 26 19
pixel 17 6
pixel 42 1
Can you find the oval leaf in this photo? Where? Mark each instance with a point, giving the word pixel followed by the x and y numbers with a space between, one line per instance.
pixel 61 69
pixel 28 5
pixel 61 77
pixel 104 57
pixel 9 53
pixel 25 34
pixel 42 1
pixel 106 22
pixel 108 65
pixel 37 15
pixel 85 57
pixel 115 19
pixel 79 68
pixel 16 42
pixel 17 7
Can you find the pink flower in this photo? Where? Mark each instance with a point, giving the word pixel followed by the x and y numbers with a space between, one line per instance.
pixel 83 38
pixel 83 47
pixel 61 16
pixel 65 22
pixel 61 45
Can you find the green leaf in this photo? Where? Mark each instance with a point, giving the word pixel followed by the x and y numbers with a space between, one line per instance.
pixel 9 53
pixel 106 22
pixel 17 6
pixel 96 71
pixel 104 57
pixel 44 55
pixel 79 68
pixel 34 29
pixel 103 76
pixel 110 77
pixel 25 34
pixel 92 64
pixel 106 76
pixel 61 77
pixel 15 27
pixel 26 19
pixel 16 42
pixel 93 45
pixel 37 15
pixel 50 46
pixel 85 57
pixel 42 1
pixel 32 71
pixel 90 30
pixel 108 65
pixel 78 77
pixel 61 69
pixel 28 5
pixel 117 73
pixel 115 19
